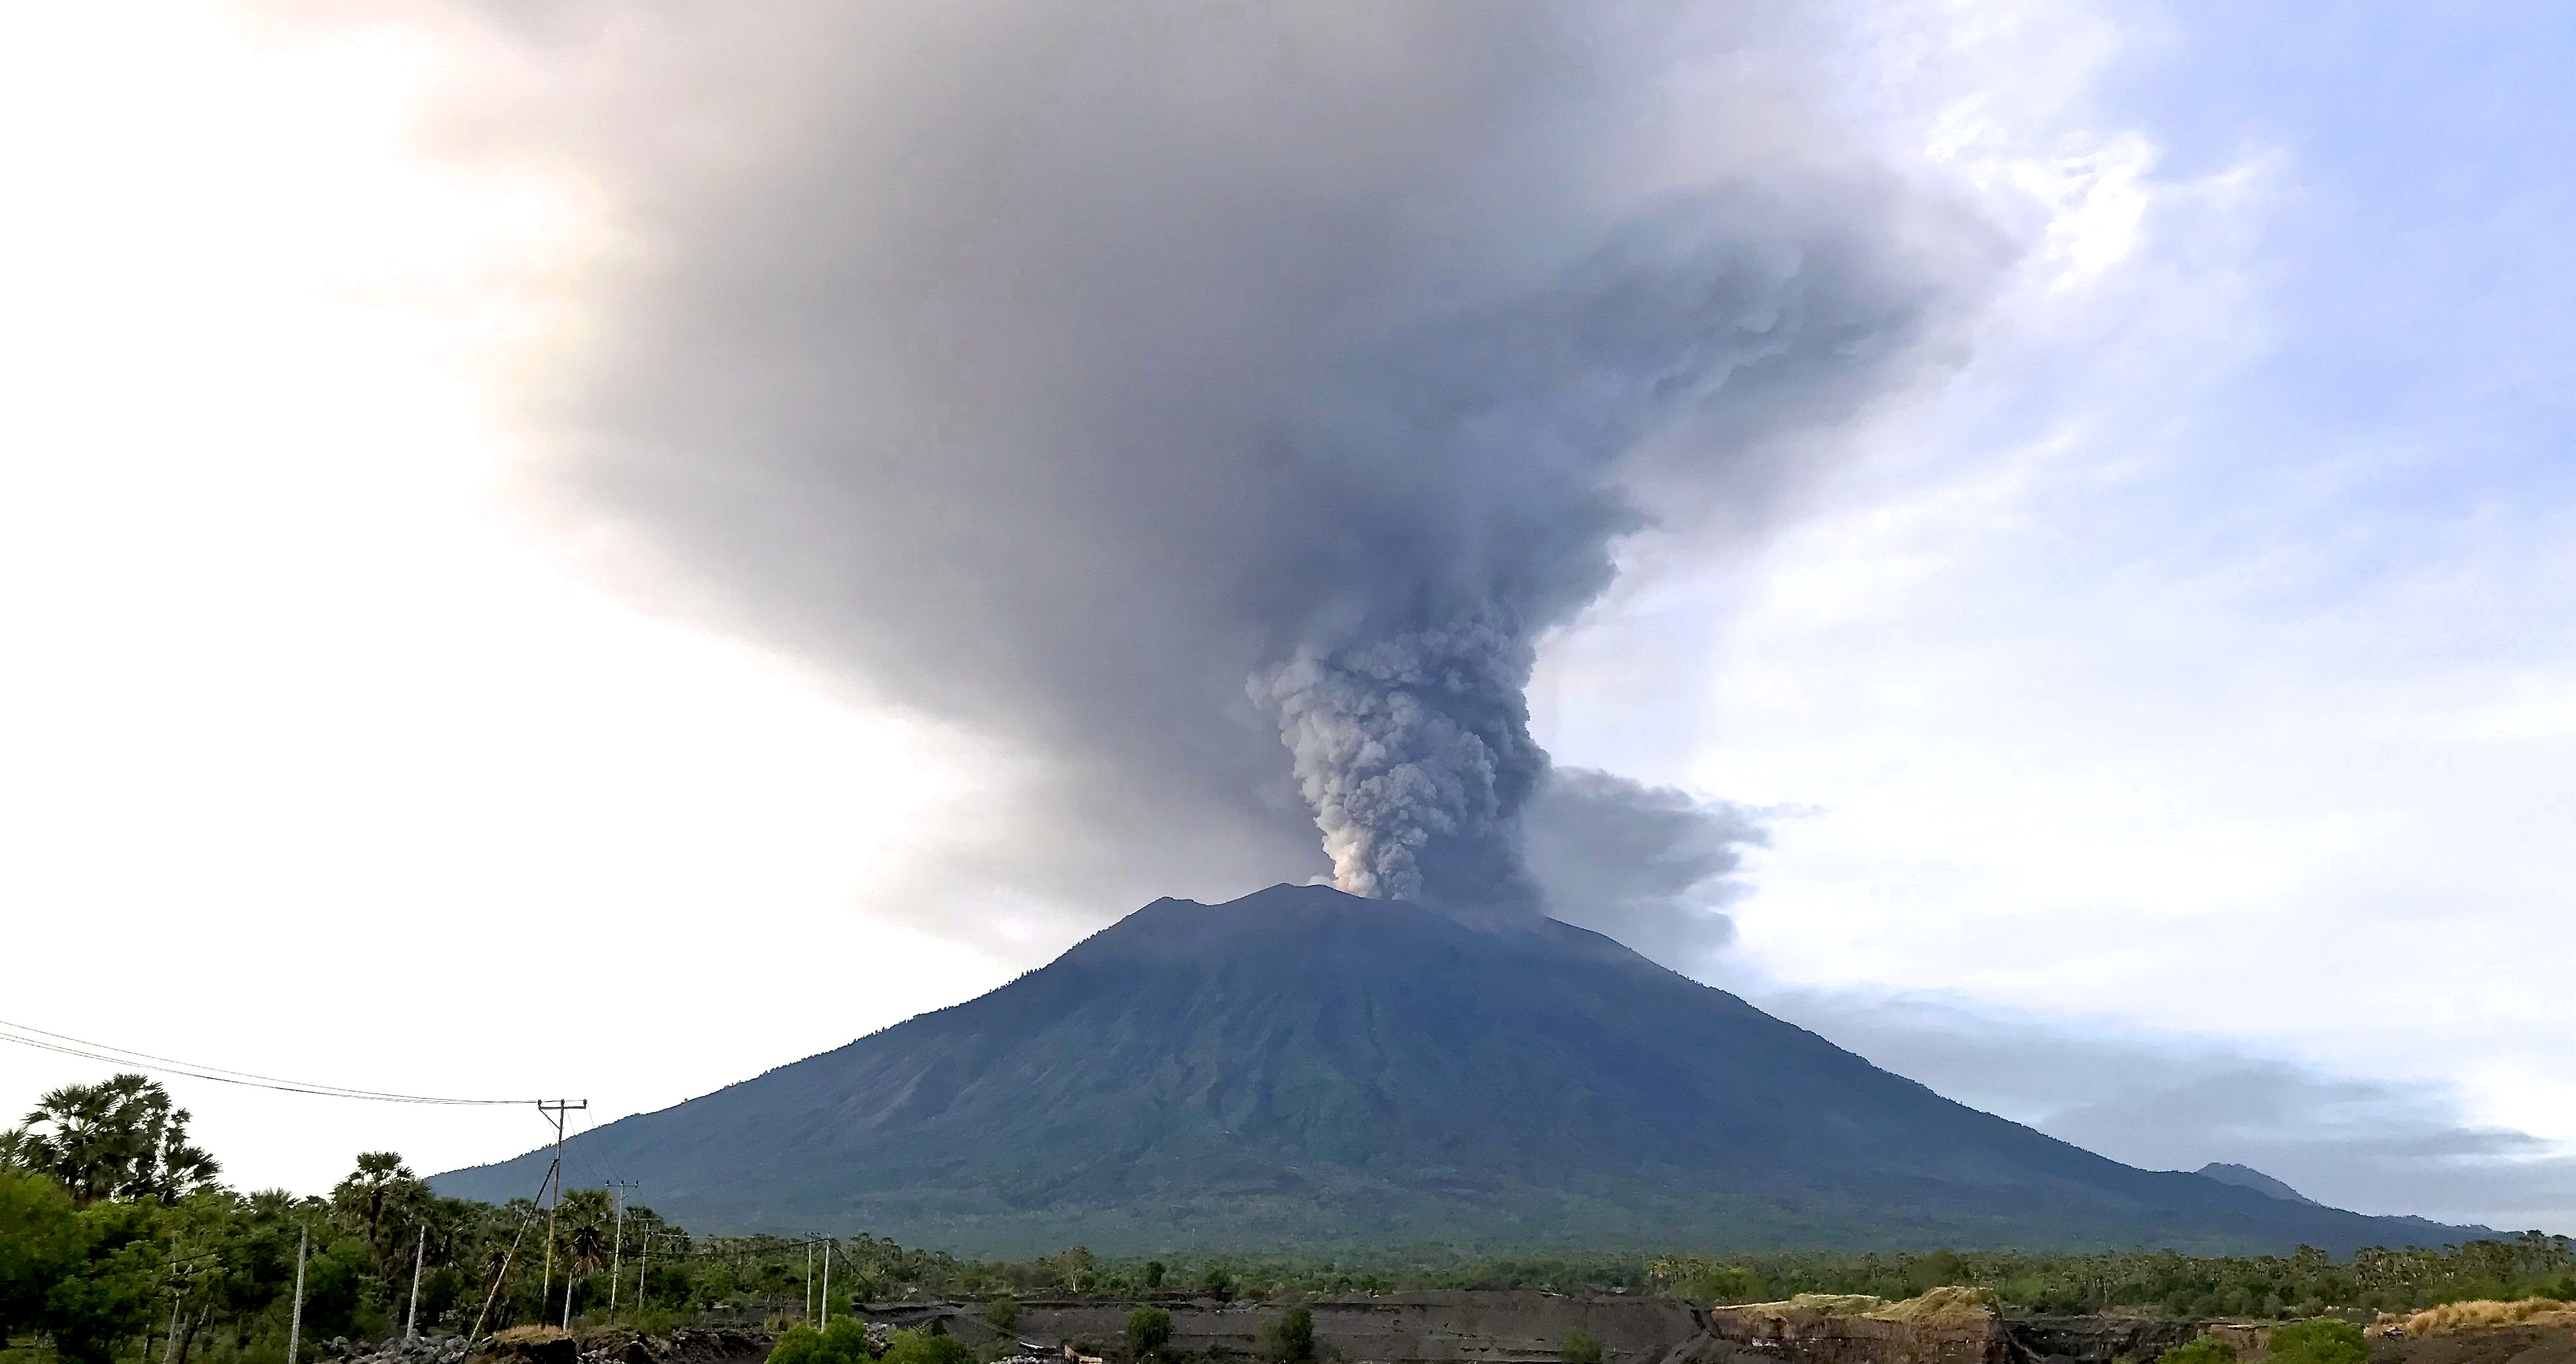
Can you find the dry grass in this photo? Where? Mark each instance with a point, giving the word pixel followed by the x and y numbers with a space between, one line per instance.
pixel 528 1335
pixel 1833 1304
pixel 2473 1316
pixel 1939 1307
pixel 1957 1303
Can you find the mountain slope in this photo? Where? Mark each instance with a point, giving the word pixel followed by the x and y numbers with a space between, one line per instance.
pixel 1302 1066
pixel 2247 1177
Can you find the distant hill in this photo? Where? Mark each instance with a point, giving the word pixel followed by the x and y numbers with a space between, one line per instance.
pixel 1304 1068
pixel 2247 1177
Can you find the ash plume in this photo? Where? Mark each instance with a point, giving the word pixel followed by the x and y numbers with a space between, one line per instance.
pixel 1219 404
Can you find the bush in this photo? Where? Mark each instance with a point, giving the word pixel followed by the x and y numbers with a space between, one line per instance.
pixel 1154 1273
pixel 1218 1283
pixel 1149 1329
pixel 1149 1332
pixel 1003 1313
pixel 1289 1338
pixel 1581 1348
pixel 2319 1340
pixel 2206 1350
pixel 923 1347
pixel 845 1341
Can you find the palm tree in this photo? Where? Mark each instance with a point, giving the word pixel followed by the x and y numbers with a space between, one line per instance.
pixel 117 1139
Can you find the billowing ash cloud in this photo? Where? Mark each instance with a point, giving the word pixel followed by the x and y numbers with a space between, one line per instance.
pixel 1651 866
pixel 1153 386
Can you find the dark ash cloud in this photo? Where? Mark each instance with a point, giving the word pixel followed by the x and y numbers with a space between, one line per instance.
pixel 1219 403
pixel 1650 866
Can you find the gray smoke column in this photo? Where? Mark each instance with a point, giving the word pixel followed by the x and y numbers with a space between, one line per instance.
pixel 1416 755
pixel 1504 432
pixel 1150 386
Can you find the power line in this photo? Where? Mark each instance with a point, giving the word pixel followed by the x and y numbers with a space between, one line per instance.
pixel 120 1056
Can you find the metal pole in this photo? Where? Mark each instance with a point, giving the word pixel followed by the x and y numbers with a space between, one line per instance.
pixel 411 1319
pixel 617 1249
pixel 295 1322
pixel 827 1285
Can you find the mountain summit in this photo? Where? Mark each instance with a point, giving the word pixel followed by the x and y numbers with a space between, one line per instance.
pixel 1306 1067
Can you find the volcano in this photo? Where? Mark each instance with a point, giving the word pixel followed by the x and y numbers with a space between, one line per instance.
pixel 1302 1067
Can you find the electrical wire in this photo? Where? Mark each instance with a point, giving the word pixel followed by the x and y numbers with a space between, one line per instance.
pixel 120 1056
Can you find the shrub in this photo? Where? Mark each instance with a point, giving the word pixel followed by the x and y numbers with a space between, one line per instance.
pixel 2206 1350
pixel 1153 1273
pixel 1581 1347
pixel 1289 1338
pixel 2319 1340
pixel 845 1341
pixel 1149 1329
pixel 1003 1312
pixel 923 1347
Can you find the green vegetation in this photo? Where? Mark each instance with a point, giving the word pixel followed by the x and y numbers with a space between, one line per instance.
pixel 2206 1350
pixel 1149 1332
pixel 842 1341
pixel 921 1347
pixel 1580 1347
pixel 2319 1340
pixel 117 1244
pixel 1289 1338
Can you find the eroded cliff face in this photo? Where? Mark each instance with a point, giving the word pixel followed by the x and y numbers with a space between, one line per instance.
pixel 1945 1326
pixel 1527 1327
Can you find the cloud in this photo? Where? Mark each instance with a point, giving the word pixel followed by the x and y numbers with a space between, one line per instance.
pixel 2164 1100
pixel 1653 867
pixel 1216 405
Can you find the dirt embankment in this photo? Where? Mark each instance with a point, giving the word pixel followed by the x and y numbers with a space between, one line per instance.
pixel 1945 1326
pixel 613 1345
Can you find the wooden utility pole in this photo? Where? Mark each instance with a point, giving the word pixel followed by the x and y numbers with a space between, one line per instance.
pixel 295 1321
pixel 555 1109
pixel 411 1319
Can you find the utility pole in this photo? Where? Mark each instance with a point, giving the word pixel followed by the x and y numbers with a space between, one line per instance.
pixel 411 1319
pixel 554 1109
pixel 643 1267
pixel 827 1284
pixel 295 1321
pixel 617 1248
pixel 809 1278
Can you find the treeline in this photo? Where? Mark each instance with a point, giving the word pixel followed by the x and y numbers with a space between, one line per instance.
pixel 118 1242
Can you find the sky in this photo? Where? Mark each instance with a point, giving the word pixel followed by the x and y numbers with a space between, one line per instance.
pixel 2156 717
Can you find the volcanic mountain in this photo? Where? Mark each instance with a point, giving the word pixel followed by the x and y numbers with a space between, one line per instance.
pixel 1304 1067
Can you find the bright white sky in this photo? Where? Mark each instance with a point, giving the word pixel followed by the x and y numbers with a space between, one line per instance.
pixel 2194 677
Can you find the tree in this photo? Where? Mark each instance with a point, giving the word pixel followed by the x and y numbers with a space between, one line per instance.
pixel 1289 1338
pixel 117 1139
pixel 1149 1330
pixel 1154 1273
pixel 40 1246
pixel 1003 1312
pixel 1581 1347
pixel 107 1292
pixel 923 1347
pixel 843 1342
pixel 2206 1350
pixel 1218 1283
pixel 2319 1340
